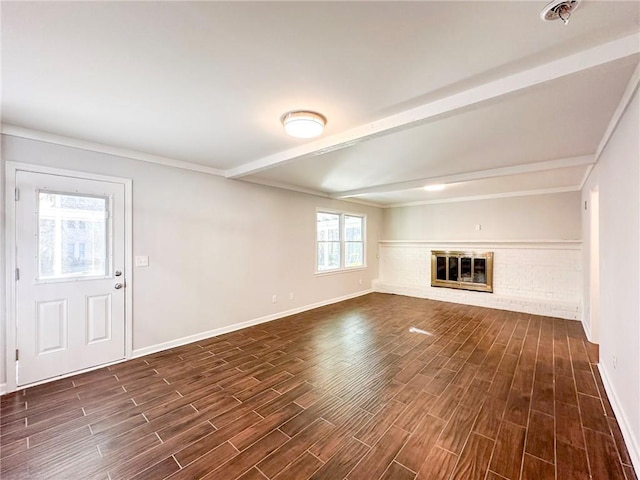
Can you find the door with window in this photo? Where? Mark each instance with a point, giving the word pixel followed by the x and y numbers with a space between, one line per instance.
pixel 70 301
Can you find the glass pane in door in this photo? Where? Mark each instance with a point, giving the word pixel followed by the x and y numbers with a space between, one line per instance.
pixel 72 236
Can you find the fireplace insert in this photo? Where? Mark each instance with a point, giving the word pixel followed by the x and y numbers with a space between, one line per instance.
pixel 463 270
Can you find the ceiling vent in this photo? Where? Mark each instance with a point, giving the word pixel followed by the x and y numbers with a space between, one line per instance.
pixel 559 10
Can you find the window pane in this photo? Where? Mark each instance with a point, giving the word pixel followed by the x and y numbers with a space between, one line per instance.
pixel 328 255
pixel 328 227
pixel 354 255
pixel 352 228
pixel 72 236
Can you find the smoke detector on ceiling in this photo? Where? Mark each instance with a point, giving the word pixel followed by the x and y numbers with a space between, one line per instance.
pixel 559 9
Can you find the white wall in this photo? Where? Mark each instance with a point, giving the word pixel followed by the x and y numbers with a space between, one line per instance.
pixel 617 178
pixel 538 217
pixel 535 240
pixel 2 268
pixel 218 249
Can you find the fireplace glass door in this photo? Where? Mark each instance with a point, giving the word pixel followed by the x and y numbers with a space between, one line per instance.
pixel 463 270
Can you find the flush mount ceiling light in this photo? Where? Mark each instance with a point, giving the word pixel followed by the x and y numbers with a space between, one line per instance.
pixel 434 188
pixel 303 124
pixel 559 9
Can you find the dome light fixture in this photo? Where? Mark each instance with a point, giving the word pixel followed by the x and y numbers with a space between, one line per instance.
pixel 435 187
pixel 559 10
pixel 303 124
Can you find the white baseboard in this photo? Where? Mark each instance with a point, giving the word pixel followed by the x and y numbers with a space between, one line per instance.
pixel 140 352
pixel 587 329
pixel 200 336
pixel 481 299
pixel 630 440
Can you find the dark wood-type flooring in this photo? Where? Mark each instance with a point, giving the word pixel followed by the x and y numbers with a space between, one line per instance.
pixel 378 387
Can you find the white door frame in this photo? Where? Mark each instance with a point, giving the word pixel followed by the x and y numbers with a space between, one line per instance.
pixel 594 265
pixel 10 326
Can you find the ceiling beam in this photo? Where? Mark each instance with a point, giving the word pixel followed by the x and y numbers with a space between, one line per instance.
pixel 469 176
pixel 599 55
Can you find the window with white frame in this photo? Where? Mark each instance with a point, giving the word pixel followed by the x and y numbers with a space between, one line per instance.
pixel 340 241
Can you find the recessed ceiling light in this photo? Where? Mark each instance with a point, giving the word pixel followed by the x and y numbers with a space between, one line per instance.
pixel 434 188
pixel 303 124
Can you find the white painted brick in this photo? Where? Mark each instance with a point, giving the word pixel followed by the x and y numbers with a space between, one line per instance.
pixel 542 280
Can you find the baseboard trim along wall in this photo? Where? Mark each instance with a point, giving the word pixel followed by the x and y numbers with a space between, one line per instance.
pixel 140 352
pixel 481 299
pixel 632 443
pixel 587 329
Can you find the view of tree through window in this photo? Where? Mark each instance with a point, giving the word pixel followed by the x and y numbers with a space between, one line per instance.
pixel 340 241
pixel 72 236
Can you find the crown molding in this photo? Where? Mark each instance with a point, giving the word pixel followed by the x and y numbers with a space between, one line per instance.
pixel 15 131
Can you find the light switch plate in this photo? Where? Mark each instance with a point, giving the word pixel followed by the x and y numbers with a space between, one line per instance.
pixel 142 261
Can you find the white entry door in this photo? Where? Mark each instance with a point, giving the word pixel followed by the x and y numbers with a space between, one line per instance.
pixel 70 301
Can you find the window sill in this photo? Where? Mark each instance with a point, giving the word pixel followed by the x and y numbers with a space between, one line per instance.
pixel 340 270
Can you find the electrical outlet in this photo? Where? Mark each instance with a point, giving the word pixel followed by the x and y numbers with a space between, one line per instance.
pixel 615 362
pixel 360 281
pixel 478 227
pixel 291 296
pixel 274 299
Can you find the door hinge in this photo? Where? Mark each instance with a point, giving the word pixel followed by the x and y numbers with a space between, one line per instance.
pixel 17 194
pixel 17 356
pixel 17 274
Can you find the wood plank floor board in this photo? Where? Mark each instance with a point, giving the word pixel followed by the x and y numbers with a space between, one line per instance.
pixel 473 462
pixel 438 465
pixel 293 448
pixel 342 462
pixel 535 469
pixel 571 462
pixel 540 441
pixel 380 456
pixel 398 472
pixel 305 466
pixel 326 447
pixel 420 443
pixel 350 390
pixel 507 457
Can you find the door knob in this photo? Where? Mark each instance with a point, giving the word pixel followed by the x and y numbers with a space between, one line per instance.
pixel 118 286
